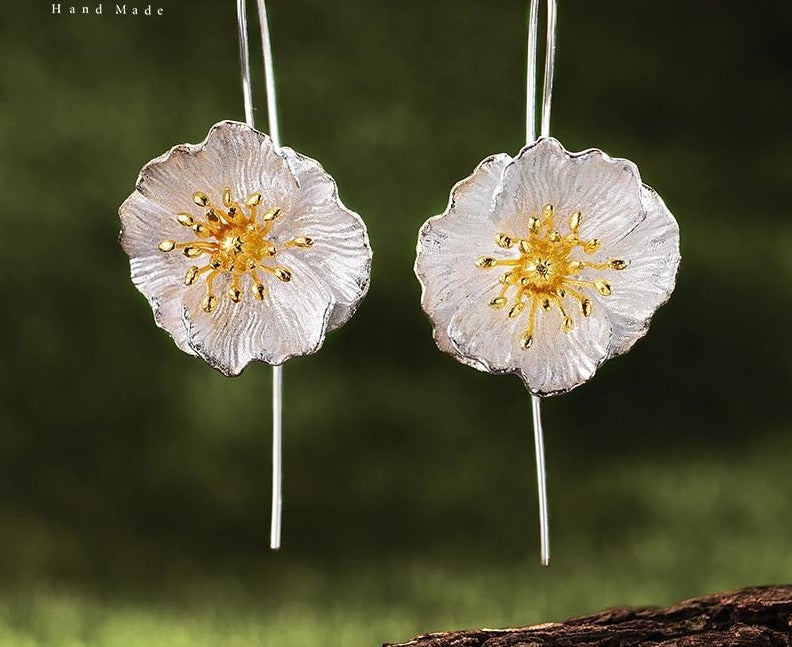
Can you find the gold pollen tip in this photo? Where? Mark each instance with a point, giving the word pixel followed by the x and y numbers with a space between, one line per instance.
pixel 211 216
pixel 617 264
pixel 603 287
pixel 516 309
pixel 504 240
pixel 568 324
pixel 192 252
pixel 561 292
pixel 283 274
pixel 191 275
pixel 228 197
pixel 259 291
pixel 524 246
pixel 526 341
pixel 576 266
pixel 585 307
pixel 507 277
pixel 525 281
pixel 574 221
pixel 254 200
pixel 547 304
pixel 485 262
pixel 235 294
pixel 166 246
pixel 200 230
pixel 533 225
pixel 200 198
pixel 270 214
pixel 498 302
pixel 184 219
pixel 303 241
pixel 591 246
pixel 209 303
pixel 555 237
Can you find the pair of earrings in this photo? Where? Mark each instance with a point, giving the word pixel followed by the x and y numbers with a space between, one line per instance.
pixel 544 265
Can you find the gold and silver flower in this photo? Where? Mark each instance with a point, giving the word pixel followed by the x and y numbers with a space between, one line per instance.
pixel 547 264
pixel 243 249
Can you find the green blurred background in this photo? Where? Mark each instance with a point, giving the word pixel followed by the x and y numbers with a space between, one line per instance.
pixel 134 480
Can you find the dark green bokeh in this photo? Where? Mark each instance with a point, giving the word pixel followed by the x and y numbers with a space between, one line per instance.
pixel 134 480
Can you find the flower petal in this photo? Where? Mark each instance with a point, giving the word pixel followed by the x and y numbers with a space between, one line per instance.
pixel 556 361
pixel 233 155
pixel 606 190
pixel 341 255
pixel 449 244
pixel 159 276
pixel 652 249
pixel 291 321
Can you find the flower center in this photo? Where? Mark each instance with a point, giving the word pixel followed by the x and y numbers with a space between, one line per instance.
pixel 545 273
pixel 236 240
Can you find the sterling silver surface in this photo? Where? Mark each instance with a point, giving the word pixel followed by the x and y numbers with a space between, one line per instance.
pixel 629 219
pixel 328 280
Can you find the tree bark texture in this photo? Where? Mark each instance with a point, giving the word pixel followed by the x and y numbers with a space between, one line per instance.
pixel 754 617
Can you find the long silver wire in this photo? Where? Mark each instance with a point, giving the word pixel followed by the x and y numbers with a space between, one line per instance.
pixel 272 116
pixel 530 137
pixel 244 60
pixel 277 371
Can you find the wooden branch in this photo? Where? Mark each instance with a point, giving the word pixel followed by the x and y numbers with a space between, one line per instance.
pixel 756 617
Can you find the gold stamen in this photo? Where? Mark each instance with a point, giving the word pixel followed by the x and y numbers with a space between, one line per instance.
pixel 302 241
pixel 209 303
pixel 485 262
pixel 234 243
pixel 270 214
pixel 191 275
pixel 544 274
pixel 603 287
pixel 591 246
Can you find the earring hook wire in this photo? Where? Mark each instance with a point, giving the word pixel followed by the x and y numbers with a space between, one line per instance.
pixel 272 118
pixel 530 138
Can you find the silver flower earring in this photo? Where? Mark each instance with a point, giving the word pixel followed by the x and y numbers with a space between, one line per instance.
pixel 548 263
pixel 244 249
